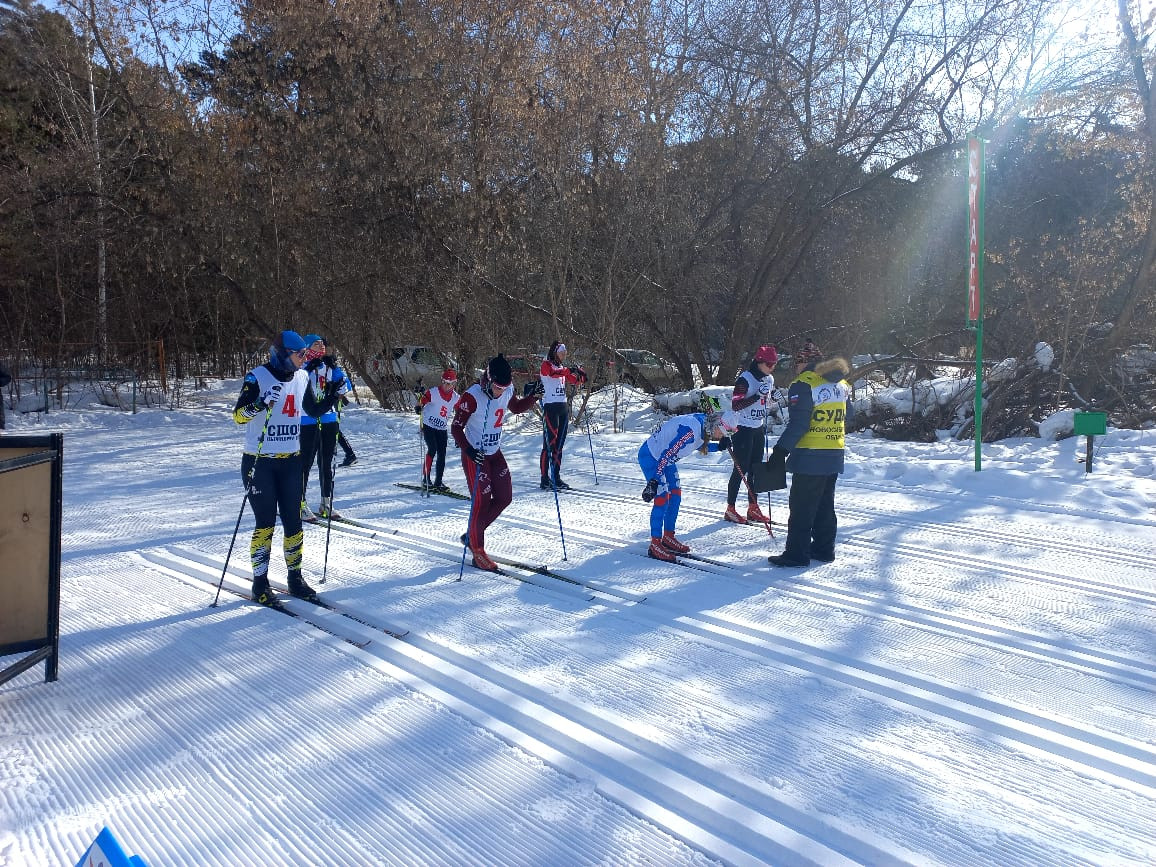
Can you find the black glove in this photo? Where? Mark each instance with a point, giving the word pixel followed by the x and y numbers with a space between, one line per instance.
pixel 528 388
pixel 779 455
pixel 581 374
pixel 650 491
pixel 418 408
pixel 475 455
pixel 539 387
pixel 724 444
pixel 330 360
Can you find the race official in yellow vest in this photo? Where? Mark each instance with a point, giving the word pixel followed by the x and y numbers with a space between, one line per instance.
pixel 819 401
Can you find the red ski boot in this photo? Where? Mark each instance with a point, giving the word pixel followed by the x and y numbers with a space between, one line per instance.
pixel 658 552
pixel 672 544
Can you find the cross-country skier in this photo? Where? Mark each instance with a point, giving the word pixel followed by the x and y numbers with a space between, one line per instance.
pixel 658 457
pixel 477 430
pixel 437 407
pixel 556 375
pixel 319 435
pixel 749 403
pixel 272 400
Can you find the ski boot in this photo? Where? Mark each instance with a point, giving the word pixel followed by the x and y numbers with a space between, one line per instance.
pixel 327 510
pixel 672 544
pixel 732 515
pixel 263 594
pixel 659 552
pixel 755 515
pixel 298 587
pixel 482 560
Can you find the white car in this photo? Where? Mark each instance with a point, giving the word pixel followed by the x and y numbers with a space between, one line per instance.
pixel 410 367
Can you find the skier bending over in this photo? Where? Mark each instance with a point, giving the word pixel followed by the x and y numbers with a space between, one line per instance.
pixel 658 457
pixel 273 397
pixel 477 430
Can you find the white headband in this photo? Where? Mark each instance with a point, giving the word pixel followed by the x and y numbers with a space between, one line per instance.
pixel 561 348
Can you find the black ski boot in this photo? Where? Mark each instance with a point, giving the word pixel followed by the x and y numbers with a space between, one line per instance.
pixel 546 483
pixel 298 587
pixel 561 485
pixel 263 594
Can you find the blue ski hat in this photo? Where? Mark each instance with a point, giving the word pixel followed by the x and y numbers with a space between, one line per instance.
pixel 286 343
pixel 310 339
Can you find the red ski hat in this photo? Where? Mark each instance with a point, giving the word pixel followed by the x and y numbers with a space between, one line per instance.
pixel 449 376
pixel 810 352
pixel 767 354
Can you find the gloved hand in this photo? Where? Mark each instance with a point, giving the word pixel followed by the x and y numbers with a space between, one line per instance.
pixel 272 394
pixel 582 377
pixel 779 455
pixel 528 388
pixel 765 387
pixel 724 444
pixel 475 455
pixel 418 408
pixel 539 387
pixel 650 491
pixel 330 360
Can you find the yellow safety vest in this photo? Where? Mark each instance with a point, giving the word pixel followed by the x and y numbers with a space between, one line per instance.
pixel 827 414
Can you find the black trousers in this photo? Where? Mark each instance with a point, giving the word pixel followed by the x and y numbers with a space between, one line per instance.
pixel 435 452
pixel 555 423
pixel 747 449
pixel 812 524
pixel 318 443
pixel 276 488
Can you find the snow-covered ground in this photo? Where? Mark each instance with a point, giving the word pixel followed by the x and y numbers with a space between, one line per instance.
pixel 973 681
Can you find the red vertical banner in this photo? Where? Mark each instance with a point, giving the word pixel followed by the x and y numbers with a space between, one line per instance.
pixel 975 175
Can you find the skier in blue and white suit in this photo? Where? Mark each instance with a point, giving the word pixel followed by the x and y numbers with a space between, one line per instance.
pixel 658 457
pixel 319 436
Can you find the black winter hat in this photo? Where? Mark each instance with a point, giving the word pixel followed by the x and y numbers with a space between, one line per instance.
pixel 499 370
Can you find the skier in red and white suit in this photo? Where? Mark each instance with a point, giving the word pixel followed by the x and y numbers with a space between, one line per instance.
pixel 477 430
pixel 437 407
pixel 556 375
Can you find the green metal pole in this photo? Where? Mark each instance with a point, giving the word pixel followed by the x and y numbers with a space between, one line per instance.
pixel 976 193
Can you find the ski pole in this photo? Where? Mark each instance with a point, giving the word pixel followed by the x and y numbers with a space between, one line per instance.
pixel 332 494
pixel 553 476
pixel 422 450
pixel 241 514
pixel 473 494
pixel 750 491
pixel 589 436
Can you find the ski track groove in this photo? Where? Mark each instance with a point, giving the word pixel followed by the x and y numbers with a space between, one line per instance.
pixel 736 761
pixel 1115 721
pixel 989 578
pixel 1147 562
pixel 1112 666
pixel 576 747
pixel 270 773
pixel 1078 743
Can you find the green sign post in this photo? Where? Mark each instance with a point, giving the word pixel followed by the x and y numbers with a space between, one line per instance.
pixel 975 254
